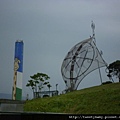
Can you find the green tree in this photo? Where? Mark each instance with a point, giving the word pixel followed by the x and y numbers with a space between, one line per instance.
pixel 49 86
pixel 114 69
pixel 32 85
pixel 37 82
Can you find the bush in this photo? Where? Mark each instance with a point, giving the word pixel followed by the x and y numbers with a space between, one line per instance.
pixel 107 82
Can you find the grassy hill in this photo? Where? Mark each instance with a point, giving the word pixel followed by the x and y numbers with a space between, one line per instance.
pixel 103 99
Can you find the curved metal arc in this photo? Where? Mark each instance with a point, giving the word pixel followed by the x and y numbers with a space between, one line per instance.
pixel 71 58
pixel 72 65
pixel 74 60
pixel 83 63
pixel 89 58
pixel 86 69
pixel 85 76
pixel 88 73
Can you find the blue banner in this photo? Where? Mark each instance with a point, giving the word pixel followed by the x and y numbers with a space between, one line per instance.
pixel 19 56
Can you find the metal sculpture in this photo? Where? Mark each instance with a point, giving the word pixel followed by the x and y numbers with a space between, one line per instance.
pixel 82 59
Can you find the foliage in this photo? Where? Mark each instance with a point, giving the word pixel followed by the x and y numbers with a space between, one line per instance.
pixel 103 99
pixel 49 86
pixel 114 69
pixel 37 82
pixel 107 82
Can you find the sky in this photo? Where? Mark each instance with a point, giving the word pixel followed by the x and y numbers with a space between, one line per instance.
pixel 49 29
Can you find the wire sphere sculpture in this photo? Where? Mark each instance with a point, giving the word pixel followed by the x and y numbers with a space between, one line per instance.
pixel 82 59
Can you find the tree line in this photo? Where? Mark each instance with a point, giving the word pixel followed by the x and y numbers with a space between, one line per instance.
pixel 39 80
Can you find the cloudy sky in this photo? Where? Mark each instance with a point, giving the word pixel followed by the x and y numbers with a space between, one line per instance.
pixel 49 29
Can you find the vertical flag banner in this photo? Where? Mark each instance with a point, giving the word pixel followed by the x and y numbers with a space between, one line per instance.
pixel 18 71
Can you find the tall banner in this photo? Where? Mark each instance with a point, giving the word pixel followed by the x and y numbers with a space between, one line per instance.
pixel 18 71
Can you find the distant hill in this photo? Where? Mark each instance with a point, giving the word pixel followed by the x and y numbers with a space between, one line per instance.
pixel 8 96
pixel 103 99
pixel 5 96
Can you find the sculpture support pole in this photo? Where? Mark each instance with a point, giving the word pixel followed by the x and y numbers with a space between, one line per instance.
pixel 71 81
pixel 100 73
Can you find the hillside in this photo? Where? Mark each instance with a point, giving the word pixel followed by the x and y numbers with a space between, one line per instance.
pixel 103 99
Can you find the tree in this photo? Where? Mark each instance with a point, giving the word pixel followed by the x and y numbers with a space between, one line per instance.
pixel 49 86
pixel 31 84
pixel 37 82
pixel 114 69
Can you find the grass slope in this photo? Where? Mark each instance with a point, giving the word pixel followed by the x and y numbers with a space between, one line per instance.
pixel 103 99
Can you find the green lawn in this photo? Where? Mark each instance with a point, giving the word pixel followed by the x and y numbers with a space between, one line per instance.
pixel 103 99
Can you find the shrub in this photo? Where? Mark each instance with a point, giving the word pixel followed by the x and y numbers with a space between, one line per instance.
pixel 107 82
